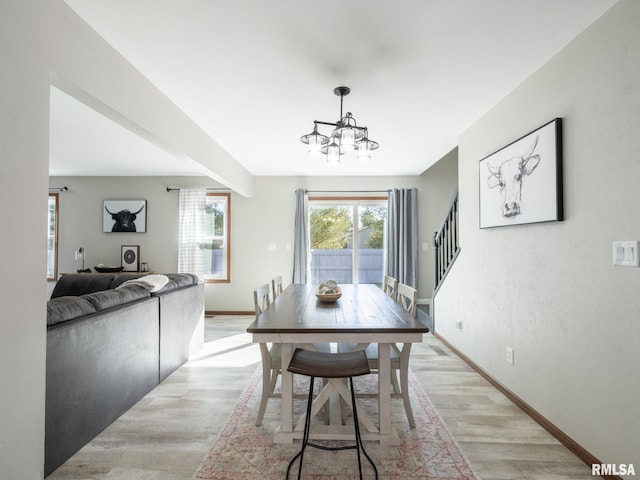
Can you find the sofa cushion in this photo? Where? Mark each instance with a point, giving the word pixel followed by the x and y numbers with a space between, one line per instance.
pixel 179 280
pixel 113 298
pixel 62 309
pixel 76 284
pixel 183 279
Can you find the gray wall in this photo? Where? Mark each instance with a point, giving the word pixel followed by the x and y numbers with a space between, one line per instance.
pixel 256 222
pixel 80 219
pixel 550 290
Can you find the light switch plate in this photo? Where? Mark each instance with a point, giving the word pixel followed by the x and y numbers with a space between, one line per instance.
pixel 625 253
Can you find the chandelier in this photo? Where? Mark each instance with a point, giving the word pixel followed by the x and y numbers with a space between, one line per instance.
pixel 347 137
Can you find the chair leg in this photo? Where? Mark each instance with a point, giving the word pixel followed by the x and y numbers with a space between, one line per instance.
pixel 394 382
pixel 359 444
pixel 404 383
pixel 305 435
pixel 266 391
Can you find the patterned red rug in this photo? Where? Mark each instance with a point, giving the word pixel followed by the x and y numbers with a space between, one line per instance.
pixel 243 451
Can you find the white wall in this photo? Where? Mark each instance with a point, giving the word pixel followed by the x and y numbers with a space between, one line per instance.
pixel 86 67
pixel 40 40
pixel 266 218
pixel 24 127
pixel 550 290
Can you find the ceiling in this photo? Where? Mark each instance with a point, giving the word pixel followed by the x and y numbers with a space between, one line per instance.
pixel 255 74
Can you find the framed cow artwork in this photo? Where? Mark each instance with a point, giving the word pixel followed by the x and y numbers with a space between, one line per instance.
pixel 522 182
pixel 124 216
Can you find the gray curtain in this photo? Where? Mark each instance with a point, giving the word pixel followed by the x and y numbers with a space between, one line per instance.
pixel 301 239
pixel 402 240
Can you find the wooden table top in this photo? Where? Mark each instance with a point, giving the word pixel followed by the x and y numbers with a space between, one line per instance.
pixel 362 308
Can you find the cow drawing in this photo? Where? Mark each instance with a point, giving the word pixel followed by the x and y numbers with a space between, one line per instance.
pixel 509 175
pixel 124 220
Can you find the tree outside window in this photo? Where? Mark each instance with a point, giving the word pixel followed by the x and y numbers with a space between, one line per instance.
pixel 331 227
pixel 347 239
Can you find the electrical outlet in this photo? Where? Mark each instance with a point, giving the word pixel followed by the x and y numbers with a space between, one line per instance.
pixel 510 355
pixel 459 324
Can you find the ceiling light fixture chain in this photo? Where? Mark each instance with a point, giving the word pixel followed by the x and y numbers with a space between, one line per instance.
pixel 346 137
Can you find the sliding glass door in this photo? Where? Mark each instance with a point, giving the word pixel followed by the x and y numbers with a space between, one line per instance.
pixel 348 238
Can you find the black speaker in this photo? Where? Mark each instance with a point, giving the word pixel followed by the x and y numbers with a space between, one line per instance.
pixel 130 258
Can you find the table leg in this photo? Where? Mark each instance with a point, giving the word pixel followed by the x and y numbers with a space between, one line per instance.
pixel 286 425
pixel 384 388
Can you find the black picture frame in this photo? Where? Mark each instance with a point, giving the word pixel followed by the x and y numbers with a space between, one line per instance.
pixel 521 183
pixel 130 258
pixel 124 216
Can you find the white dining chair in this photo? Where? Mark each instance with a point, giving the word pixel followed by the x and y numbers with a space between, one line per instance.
pixel 390 286
pixel 399 357
pixel 271 355
pixel 399 354
pixel 407 298
pixel 276 286
pixel 271 363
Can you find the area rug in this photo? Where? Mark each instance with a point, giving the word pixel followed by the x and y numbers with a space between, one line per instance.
pixel 243 451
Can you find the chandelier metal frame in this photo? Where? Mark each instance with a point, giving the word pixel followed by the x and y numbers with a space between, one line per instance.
pixel 346 137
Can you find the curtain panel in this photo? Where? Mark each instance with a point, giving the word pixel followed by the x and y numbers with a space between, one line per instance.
pixel 402 240
pixel 301 257
pixel 192 213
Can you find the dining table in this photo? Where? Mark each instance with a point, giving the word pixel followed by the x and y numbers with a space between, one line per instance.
pixel 363 315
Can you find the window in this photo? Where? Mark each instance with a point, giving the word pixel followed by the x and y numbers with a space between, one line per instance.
pixel 52 237
pixel 348 239
pixel 216 238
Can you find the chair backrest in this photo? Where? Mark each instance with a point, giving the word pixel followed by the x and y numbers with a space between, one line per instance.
pixel 261 298
pixel 390 286
pixel 276 286
pixel 407 298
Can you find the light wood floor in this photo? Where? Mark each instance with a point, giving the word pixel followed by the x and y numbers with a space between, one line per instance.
pixel 167 434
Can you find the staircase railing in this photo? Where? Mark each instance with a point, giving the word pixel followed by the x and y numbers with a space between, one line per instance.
pixel 446 244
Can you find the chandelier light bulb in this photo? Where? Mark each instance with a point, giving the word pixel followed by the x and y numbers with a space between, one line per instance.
pixel 364 153
pixel 314 144
pixel 333 153
pixel 347 140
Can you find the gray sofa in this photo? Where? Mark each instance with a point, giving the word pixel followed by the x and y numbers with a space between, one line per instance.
pixel 107 347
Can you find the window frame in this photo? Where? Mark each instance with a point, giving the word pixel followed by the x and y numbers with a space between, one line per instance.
pixel 226 277
pixel 56 222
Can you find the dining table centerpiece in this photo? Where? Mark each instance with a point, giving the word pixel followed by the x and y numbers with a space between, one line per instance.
pixel 328 291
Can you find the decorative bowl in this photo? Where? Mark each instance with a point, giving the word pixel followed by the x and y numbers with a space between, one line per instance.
pixel 329 297
pixel 106 269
